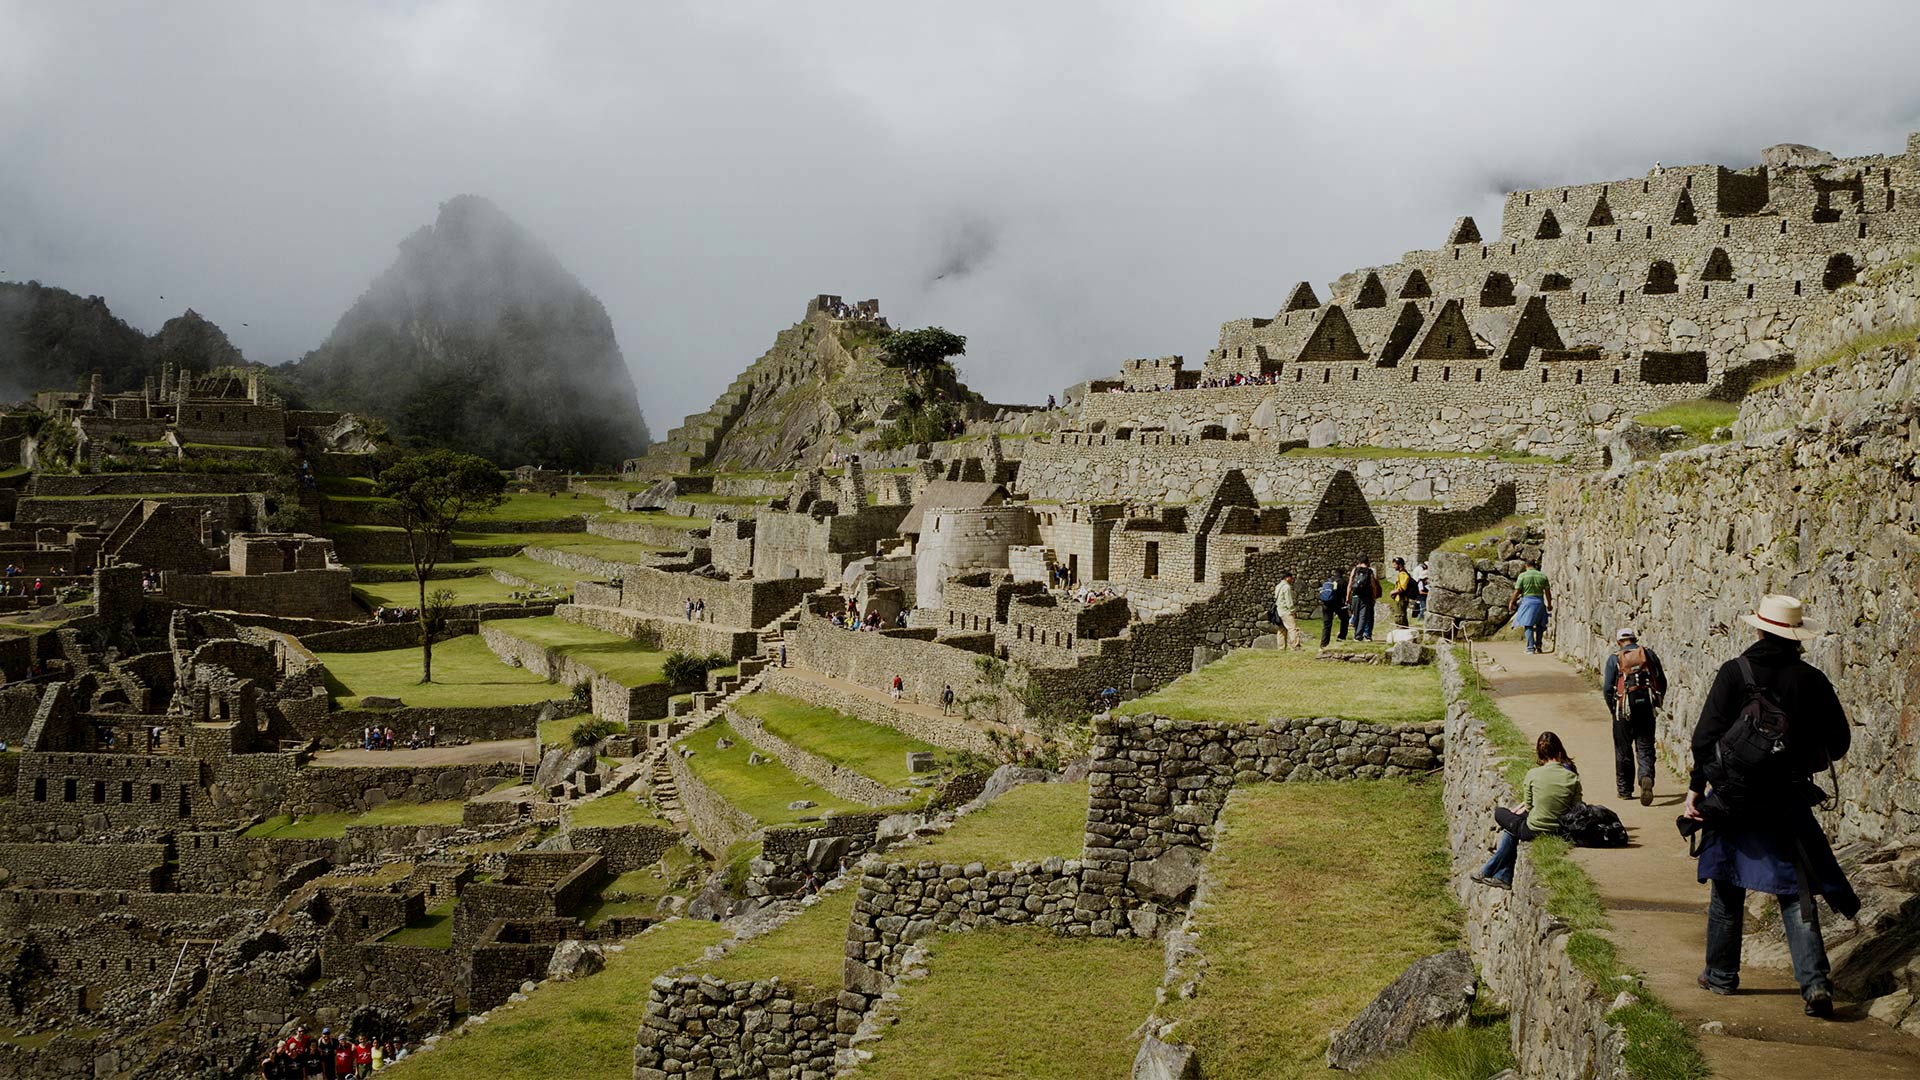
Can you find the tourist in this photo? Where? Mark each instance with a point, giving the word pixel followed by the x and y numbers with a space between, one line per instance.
pixel 343 1058
pixel 783 654
pixel 946 699
pixel 379 1055
pixel 1552 786
pixel 1363 588
pixel 700 610
pixel 433 735
pixel 1333 605
pixel 1283 614
pixel 1633 686
pixel 1402 594
pixel 1420 591
pixel 363 1058
pixel 1771 722
pixel 1532 605
pixel 899 686
pixel 274 1065
pixel 689 609
pixel 387 743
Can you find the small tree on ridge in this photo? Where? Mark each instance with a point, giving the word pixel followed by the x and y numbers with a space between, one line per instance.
pixel 432 493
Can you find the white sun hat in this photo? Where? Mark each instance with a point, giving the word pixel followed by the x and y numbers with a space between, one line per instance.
pixel 1626 632
pixel 1782 616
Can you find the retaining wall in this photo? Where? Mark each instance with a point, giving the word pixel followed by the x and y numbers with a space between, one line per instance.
pixel 716 823
pixel 842 782
pixel 952 733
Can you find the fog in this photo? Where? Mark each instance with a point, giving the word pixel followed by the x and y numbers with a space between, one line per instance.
pixel 1066 184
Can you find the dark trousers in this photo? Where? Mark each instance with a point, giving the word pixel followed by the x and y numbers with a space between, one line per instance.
pixel 1328 614
pixel 1632 744
pixel 1363 620
pixel 1726 920
pixel 1513 829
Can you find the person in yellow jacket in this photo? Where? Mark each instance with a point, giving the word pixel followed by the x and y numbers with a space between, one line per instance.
pixel 1402 594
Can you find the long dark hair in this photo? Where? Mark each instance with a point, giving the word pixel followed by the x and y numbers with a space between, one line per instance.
pixel 1548 748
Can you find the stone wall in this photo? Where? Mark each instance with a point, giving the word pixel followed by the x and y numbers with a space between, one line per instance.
pixel 1681 547
pixel 229 861
pixel 788 852
pixel 952 733
pixel 480 723
pixel 716 823
pixel 141 484
pixel 674 631
pixel 612 700
pixel 83 866
pixel 841 782
pixel 320 790
pixel 624 847
pixel 671 537
pixel 1558 1014
pixel 700 1026
pixel 299 594
pixel 740 604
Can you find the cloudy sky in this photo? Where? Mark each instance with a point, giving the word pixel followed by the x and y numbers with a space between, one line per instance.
pixel 1066 184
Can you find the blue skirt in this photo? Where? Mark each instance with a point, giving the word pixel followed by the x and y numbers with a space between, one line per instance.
pixel 1763 861
pixel 1531 614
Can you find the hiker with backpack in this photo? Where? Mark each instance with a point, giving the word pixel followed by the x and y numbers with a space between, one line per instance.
pixel 1363 588
pixel 1771 722
pixel 1550 789
pixel 1633 685
pixel 1333 605
pixel 1532 605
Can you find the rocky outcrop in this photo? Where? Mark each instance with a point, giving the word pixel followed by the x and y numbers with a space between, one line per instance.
pixel 1434 992
pixel 1474 590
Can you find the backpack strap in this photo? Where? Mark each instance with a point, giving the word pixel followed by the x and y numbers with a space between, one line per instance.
pixel 1746 673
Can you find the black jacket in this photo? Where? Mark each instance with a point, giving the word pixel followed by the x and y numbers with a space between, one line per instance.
pixel 1610 678
pixel 1820 734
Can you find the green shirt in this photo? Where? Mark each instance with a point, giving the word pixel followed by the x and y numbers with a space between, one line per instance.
pixel 1531 583
pixel 1550 789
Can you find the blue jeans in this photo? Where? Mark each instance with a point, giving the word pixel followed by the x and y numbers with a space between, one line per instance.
pixel 1363 621
pixel 1726 918
pixel 1513 829
pixel 1534 635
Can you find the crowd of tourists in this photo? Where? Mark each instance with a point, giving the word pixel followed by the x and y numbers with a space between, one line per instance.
pixel 396 614
pixel 327 1056
pixel 382 738
pixel 13 582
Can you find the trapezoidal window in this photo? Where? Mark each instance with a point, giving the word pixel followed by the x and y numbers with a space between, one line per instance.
pixel 1683 213
pixel 1718 268
pixel 1661 279
pixel 1416 287
pixel 1551 282
pixel 1498 291
pixel 1602 213
pixel 1549 227
pixel 1841 270
pixel 1372 293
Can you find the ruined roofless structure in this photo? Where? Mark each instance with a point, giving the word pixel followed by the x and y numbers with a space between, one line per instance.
pixel 1593 302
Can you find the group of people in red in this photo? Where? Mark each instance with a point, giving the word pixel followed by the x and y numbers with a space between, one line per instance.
pixel 301 1056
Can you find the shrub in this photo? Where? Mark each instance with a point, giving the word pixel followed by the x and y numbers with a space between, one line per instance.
pixel 690 669
pixel 589 732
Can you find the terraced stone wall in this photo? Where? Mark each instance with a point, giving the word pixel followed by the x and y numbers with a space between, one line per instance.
pixel 952 733
pixel 715 822
pixel 700 1026
pixel 841 782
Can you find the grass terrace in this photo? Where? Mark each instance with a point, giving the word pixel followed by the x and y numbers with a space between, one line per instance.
pixel 1698 418
pixel 1028 824
pixel 703 498
pixel 1280 971
pixel 619 808
pixel 465 674
pixel 568 1030
pixel 760 791
pixel 474 589
pixel 1018 1003
pixel 637 893
pixel 805 952
pixel 1479 543
pixel 433 930
pixel 623 660
pixel 872 750
pixel 1262 684
pixel 321 826
pixel 652 517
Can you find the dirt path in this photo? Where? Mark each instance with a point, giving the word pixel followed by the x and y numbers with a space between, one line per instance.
pixel 1659 909
pixel 498 750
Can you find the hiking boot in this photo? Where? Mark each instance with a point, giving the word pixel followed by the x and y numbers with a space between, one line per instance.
pixel 1722 991
pixel 1626 793
pixel 1820 1005
pixel 1491 882
pixel 1646 793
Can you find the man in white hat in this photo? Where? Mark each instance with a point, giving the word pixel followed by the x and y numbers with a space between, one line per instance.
pixel 1770 723
pixel 1634 684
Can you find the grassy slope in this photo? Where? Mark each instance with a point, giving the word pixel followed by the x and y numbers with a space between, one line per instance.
pixel 621 659
pixel 616 809
pixel 1698 418
pixel 1030 823
pixel 1259 684
pixel 465 672
pixel 477 589
pixel 1323 894
pixel 434 930
pixel 286 827
pixel 1020 1003
pixel 871 750
pixel 804 952
pixel 570 1030
pixel 761 791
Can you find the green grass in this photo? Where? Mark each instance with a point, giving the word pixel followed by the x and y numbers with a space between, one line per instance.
pixel 13 471
pixel 1281 967
pixel 641 891
pixel 762 792
pixel 517 507
pixel 590 546
pixel 1474 1052
pixel 434 930
pixel 703 498
pixel 568 1030
pixel 520 566
pixel 1261 684
pixel 1021 1003
pixel 1471 543
pixel 1030 823
pixel 654 517
pixel 621 659
pixel 465 673
pixel 312 826
pixel 560 732
pixel 1698 418
pixel 1399 452
pixel 1659 1045
pixel 872 750
pixel 478 589
pixel 1902 334
pixel 619 808
pixel 805 952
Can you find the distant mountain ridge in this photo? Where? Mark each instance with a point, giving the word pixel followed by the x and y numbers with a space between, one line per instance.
pixel 477 338
pixel 52 339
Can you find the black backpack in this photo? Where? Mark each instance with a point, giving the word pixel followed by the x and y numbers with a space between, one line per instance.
pixel 1362 582
pixel 1586 825
pixel 1756 751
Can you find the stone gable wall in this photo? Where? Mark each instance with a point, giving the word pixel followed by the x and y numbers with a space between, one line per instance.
pixel 83 866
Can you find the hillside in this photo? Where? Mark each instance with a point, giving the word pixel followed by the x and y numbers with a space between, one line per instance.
pixel 477 338
pixel 51 339
pixel 823 384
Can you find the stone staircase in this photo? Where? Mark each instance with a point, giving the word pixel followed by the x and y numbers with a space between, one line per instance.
pixel 661 789
pixel 691 446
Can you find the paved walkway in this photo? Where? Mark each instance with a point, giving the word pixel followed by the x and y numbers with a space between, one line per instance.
pixel 472 753
pixel 1659 909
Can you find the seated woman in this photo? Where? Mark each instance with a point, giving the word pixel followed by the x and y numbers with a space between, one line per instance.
pixel 1552 787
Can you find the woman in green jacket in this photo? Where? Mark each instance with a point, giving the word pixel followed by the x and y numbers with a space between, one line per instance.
pixel 1552 787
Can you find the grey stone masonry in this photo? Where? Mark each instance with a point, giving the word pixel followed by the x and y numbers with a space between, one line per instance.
pixel 701 1027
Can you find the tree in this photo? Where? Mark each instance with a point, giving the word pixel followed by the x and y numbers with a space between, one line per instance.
pixel 922 348
pixel 432 494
